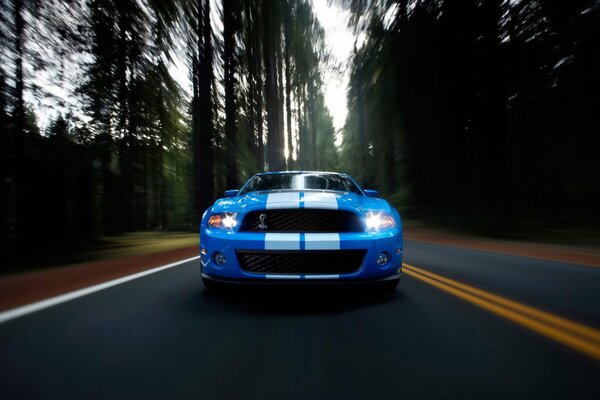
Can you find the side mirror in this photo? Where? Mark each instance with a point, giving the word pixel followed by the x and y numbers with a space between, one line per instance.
pixel 231 193
pixel 371 193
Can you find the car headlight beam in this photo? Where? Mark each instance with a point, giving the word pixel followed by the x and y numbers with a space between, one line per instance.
pixel 378 221
pixel 223 220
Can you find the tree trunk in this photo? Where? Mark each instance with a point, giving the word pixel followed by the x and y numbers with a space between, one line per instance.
pixel 202 110
pixel 229 64
pixel 21 168
pixel 362 136
pixel 274 131
pixel 288 86
pixel 206 109
pixel 280 99
pixel 258 112
pixel 251 138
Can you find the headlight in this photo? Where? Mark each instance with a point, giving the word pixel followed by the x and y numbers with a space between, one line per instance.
pixel 223 220
pixel 379 221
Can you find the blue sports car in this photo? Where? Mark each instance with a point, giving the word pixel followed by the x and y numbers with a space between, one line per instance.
pixel 301 227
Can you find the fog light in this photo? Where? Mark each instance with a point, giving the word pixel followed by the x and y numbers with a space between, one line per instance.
pixel 219 258
pixel 203 251
pixel 383 258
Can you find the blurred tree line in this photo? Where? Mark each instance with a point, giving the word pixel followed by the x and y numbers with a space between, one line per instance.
pixel 119 115
pixel 128 145
pixel 480 112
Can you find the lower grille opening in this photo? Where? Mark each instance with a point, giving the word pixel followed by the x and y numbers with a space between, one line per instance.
pixel 301 262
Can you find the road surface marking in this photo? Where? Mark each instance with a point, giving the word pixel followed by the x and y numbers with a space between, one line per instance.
pixel 40 305
pixel 572 334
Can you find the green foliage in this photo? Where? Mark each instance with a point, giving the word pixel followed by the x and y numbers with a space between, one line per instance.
pixel 123 162
pixel 126 147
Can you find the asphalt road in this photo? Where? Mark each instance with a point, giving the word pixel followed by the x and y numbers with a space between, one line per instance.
pixel 164 336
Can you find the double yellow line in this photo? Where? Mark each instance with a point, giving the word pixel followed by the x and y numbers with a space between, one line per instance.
pixel 575 335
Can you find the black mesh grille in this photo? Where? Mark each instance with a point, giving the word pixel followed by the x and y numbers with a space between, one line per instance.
pixel 302 220
pixel 301 262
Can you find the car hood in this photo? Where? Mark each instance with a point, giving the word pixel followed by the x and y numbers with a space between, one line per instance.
pixel 295 199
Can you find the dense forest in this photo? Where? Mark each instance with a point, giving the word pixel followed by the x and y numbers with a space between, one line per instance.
pixel 129 148
pixel 468 112
pixel 479 113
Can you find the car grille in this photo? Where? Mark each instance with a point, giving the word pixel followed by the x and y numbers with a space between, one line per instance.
pixel 301 262
pixel 302 220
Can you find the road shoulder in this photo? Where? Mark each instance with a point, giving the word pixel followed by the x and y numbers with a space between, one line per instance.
pixel 21 289
pixel 588 256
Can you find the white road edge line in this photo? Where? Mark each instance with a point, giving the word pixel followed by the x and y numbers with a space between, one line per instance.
pixel 52 301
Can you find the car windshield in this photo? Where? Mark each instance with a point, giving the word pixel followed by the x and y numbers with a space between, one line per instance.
pixel 300 181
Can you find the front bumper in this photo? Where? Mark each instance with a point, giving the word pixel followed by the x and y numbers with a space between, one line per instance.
pixel 254 281
pixel 228 242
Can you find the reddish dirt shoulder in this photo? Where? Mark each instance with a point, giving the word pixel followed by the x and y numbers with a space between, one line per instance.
pixel 568 254
pixel 18 290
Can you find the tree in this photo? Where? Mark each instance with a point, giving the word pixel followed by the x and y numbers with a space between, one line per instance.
pixel 272 38
pixel 120 146
pixel 230 28
pixel 202 109
pixel 464 106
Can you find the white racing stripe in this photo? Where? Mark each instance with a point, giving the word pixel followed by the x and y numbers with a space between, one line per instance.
pixel 282 276
pixel 320 200
pixel 283 200
pixel 321 241
pixel 321 277
pixel 282 241
pixel 40 305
